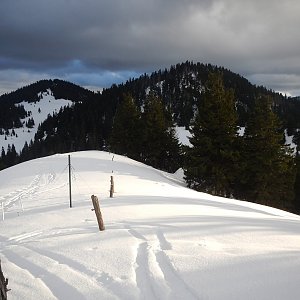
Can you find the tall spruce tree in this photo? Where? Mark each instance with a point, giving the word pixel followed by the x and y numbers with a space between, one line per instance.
pixel 126 136
pixel 160 145
pixel 269 168
pixel 210 162
pixel 296 204
pixel 2 159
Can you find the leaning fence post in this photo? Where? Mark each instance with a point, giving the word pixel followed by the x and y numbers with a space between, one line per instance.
pixel 98 212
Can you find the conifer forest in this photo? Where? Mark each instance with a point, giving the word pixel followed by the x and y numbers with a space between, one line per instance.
pixel 138 119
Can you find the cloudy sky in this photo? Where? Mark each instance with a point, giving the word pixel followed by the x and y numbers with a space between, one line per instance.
pixel 95 43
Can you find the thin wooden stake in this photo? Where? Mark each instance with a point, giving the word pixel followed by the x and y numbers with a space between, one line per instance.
pixel 2 208
pixel 70 180
pixel 112 187
pixel 98 212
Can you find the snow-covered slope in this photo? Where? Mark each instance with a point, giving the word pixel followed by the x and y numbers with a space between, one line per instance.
pixel 39 112
pixel 162 240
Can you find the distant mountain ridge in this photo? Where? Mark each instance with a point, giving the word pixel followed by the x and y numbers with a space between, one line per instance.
pixel 11 114
pixel 88 122
pixel 181 87
pixel 60 89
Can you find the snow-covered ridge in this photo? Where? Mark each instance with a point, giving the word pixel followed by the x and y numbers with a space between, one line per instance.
pixel 39 112
pixel 162 240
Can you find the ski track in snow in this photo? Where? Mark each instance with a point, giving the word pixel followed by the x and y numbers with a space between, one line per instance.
pixel 16 196
pixel 43 268
pixel 50 269
pixel 41 184
pixel 155 273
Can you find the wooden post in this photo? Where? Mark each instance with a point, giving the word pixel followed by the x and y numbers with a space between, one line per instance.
pixel 70 180
pixel 2 208
pixel 112 187
pixel 3 285
pixel 98 212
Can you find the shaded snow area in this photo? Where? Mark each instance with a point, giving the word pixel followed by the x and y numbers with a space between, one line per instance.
pixel 162 240
pixel 288 139
pixel 289 142
pixel 39 112
pixel 241 131
pixel 183 135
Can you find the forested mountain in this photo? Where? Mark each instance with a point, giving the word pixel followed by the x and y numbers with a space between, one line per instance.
pixel 60 89
pixel 11 114
pixel 88 123
pixel 181 89
pixel 157 102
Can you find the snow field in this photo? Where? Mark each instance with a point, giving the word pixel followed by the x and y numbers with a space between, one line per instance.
pixel 162 240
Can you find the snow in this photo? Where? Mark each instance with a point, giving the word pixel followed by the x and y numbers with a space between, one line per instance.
pixel 162 240
pixel 40 110
pixel 241 131
pixel 183 135
pixel 289 142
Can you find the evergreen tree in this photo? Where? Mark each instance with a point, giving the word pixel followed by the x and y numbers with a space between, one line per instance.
pixel 210 162
pixel 126 136
pixel 160 145
pixel 269 172
pixel 30 123
pixel 2 152
pixel 11 155
pixel 2 159
pixel 296 205
pixel 25 152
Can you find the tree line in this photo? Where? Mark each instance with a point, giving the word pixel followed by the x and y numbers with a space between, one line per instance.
pixel 146 135
pixel 256 166
pixel 137 119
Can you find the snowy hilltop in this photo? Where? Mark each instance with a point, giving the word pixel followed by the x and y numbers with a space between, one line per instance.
pixel 162 240
pixel 37 113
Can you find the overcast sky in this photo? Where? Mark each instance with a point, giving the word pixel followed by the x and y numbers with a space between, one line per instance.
pixel 99 42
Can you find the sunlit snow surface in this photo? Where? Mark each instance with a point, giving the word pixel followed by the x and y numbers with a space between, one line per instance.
pixel 162 240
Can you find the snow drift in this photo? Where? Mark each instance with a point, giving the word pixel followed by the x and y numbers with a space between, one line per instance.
pixel 162 240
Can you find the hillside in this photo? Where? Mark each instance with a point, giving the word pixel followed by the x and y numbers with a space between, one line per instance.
pixel 12 110
pixel 36 112
pixel 162 240
pixel 139 119
pixel 60 90
pixel 88 124
pixel 24 111
pixel 181 88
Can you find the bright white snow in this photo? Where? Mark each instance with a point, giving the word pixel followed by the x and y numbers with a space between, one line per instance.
pixel 40 111
pixel 162 240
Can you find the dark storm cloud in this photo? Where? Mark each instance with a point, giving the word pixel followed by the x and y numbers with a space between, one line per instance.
pixel 98 38
pixel 97 32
